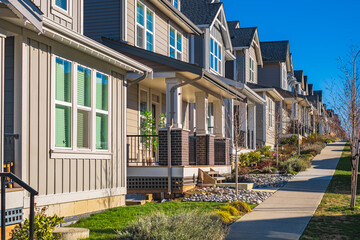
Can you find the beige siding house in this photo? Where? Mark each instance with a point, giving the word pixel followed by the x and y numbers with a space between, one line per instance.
pixel 69 109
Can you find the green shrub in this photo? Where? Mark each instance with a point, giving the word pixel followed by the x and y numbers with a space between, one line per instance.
pixel 269 169
pixel 230 209
pixel 186 225
pixel 296 163
pixel 292 140
pixel 313 149
pixel 241 206
pixel 244 160
pixel 254 157
pixel 43 227
pixel 266 151
pixel 225 216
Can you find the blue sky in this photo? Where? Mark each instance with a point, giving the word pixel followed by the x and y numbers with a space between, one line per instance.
pixel 319 31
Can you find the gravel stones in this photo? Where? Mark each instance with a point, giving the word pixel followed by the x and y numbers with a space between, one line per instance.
pixel 219 194
pixel 267 180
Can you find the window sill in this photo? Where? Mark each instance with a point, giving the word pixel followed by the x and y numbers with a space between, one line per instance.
pixel 79 154
pixel 61 13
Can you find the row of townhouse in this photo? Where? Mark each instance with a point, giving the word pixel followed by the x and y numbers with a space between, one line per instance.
pixel 104 98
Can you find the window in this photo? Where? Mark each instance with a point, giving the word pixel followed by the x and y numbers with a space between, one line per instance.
pixel 82 108
pixel 271 114
pixel 63 103
pixel 210 118
pixel 215 55
pixel 252 69
pixel 62 4
pixel 176 3
pixel 285 85
pixel 144 27
pixel 175 44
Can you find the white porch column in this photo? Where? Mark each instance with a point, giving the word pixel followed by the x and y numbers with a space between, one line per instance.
pixel 177 108
pixel 219 118
pixel 229 119
pixel 252 125
pixel 244 121
pixel 201 113
pixel 2 83
pixel 280 118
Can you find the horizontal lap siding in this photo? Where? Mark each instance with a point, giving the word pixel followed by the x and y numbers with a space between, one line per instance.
pixel 102 18
pixel 161 35
pixel 132 120
pixel 131 22
pixel 63 175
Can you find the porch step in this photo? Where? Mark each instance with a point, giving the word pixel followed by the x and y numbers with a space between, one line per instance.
pixel 71 233
pixel 135 202
pixel 138 199
pixel 213 173
pixel 219 179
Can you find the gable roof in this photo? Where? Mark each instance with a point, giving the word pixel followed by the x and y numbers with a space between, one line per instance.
pixel 200 11
pixel 242 37
pixel 275 51
pixel 233 24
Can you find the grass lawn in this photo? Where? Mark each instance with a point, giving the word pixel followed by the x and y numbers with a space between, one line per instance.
pixel 103 225
pixel 334 219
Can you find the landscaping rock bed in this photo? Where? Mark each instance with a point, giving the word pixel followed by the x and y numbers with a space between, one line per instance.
pixel 219 194
pixel 267 180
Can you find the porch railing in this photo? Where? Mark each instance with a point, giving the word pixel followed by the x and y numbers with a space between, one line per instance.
pixel 9 155
pixel 142 150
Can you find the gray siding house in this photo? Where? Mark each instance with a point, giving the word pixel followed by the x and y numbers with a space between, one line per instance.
pixel 64 120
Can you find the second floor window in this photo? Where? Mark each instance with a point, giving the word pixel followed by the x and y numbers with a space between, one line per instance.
pixel 215 56
pixel 62 4
pixel 176 3
pixel 144 27
pixel 252 70
pixel 175 44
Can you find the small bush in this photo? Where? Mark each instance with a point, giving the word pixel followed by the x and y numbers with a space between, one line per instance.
pixel 313 149
pixel 269 169
pixel 266 151
pixel 292 140
pixel 230 209
pixel 296 163
pixel 225 216
pixel 43 227
pixel 186 225
pixel 241 206
pixel 254 157
pixel 244 160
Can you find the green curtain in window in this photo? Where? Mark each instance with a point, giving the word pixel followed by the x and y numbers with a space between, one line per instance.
pixel 84 86
pixel 62 126
pixel 101 131
pixel 101 92
pixel 83 129
pixel 63 80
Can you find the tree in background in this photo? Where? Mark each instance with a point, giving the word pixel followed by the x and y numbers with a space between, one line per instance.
pixel 345 95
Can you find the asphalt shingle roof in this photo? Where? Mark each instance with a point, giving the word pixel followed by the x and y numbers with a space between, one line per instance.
pixel 274 51
pixel 299 75
pixel 233 24
pixel 200 11
pixel 242 37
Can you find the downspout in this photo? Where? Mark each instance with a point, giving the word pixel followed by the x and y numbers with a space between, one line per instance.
pixel 172 91
pixel 136 81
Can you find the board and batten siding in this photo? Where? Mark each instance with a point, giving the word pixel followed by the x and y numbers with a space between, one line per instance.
pixel 73 21
pixel 76 171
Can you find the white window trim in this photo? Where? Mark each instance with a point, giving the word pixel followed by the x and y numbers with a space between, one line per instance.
pixel 74 107
pixel 141 88
pixel 59 12
pixel 145 25
pixel 271 114
pixel 182 45
pixel 220 67
pixel 179 3
pixel 252 70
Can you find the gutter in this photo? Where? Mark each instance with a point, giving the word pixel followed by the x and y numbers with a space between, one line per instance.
pixel 172 91
pixel 136 81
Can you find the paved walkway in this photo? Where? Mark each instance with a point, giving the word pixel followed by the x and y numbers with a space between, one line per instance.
pixel 286 214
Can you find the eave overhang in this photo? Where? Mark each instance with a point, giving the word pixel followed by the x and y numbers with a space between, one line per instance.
pixel 26 10
pixel 271 91
pixel 93 48
pixel 222 90
pixel 175 15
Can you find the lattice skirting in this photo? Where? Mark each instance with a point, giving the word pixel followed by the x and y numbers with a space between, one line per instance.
pixel 13 216
pixel 158 182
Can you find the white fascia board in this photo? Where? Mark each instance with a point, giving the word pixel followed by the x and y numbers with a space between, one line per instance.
pixel 272 91
pixel 89 46
pixel 229 55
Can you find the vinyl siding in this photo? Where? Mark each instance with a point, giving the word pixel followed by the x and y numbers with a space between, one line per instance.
pixel 76 174
pixel 240 66
pixel 110 23
pixel 72 21
pixel 251 53
pixel 269 75
pixel 132 112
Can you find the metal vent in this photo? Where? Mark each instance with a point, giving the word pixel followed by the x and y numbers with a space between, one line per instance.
pixel 13 216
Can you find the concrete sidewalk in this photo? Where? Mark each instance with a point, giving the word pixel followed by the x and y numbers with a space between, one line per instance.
pixel 286 214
